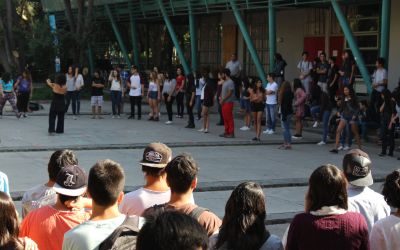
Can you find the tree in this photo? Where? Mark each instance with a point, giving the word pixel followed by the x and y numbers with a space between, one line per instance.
pixel 79 27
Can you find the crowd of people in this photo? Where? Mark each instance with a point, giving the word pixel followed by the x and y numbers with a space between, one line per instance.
pixel 324 92
pixel 73 210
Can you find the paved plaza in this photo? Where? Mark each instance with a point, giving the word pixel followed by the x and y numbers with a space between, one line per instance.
pixel 26 147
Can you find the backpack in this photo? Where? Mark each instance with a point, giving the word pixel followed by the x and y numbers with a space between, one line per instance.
pixel 123 238
pixel 195 214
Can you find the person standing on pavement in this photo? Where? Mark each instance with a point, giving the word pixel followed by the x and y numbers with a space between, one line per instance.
pixel 190 95
pixel 324 115
pixel 24 89
pixel 97 95
pixel 322 72
pixel 333 79
pixel 245 103
pixel 153 95
pixel 168 93
pixel 7 94
pixel 200 82
pixel 305 67
pixel 207 98
pixel 180 92
pixel 271 91
pixel 71 91
pixel 235 68
pixel 301 97
pixel 227 100
pixel 136 91
pixel 257 105
pixel 116 93
pixel 279 69
pixel 57 106
pixel 220 82
pixel 286 104
pixel 79 83
pixel 388 122
pixel 380 81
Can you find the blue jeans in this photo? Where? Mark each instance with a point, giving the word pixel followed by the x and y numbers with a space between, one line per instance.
pixel 325 120
pixel 71 96
pixel 78 101
pixel 287 136
pixel 198 106
pixel 116 97
pixel 315 110
pixel 346 133
pixel 270 110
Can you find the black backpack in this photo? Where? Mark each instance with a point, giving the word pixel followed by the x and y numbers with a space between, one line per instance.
pixel 123 238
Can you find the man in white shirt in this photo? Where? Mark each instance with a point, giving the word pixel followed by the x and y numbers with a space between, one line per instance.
pixel 379 83
pixel 235 68
pixel 136 91
pixel 362 199
pixel 44 194
pixel 156 190
pixel 271 91
pixel 305 67
pixel 105 186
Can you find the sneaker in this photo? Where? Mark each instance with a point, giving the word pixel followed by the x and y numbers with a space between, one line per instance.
pixel 74 117
pixel 119 117
pixel 271 132
pixel 190 126
pixel 25 115
pixel 131 117
pixel 201 130
pixel 266 131
pixel 315 124
pixel 222 135
pixel 177 116
pixel 340 147
pixel 156 119
pixel 150 118
pixel 321 143
pixel 244 128
pixel 206 131
pixel 255 139
pixel 297 137
pixel 346 148
pixel 113 117
pixel 168 122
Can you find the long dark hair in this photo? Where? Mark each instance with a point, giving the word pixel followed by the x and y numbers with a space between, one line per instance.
pixel 255 88
pixel 286 87
pixel 297 84
pixel 243 225
pixel 6 77
pixel 9 229
pixel 327 186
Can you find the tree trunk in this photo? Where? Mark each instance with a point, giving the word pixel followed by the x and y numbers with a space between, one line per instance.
pixel 4 60
pixel 69 16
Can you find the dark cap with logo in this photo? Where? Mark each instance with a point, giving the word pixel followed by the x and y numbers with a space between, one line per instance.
pixel 156 155
pixel 71 181
pixel 357 168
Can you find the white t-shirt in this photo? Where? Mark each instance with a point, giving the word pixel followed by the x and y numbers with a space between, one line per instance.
pixel 79 82
pixel 305 67
pixel 271 99
pixel 115 85
pixel 202 83
pixel 385 234
pixel 378 76
pixel 70 83
pixel 4 187
pixel 234 67
pixel 90 234
pixel 369 203
pixel 135 202
pixel 152 86
pixel 37 197
pixel 136 87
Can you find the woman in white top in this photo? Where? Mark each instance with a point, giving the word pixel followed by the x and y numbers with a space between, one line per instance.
pixel 153 96
pixel 385 234
pixel 243 225
pixel 116 93
pixel 169 94
pixel 79 83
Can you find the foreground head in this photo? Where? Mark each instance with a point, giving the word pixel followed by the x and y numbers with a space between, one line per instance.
pixel 327 187
pixel 357 168
pixel 156 156
pixel 60 159
pixel 243 223
pixel 70 184
pixel 172 230
pixel 106 183
pixel 9 226
pixel 391 189
pixel 182 174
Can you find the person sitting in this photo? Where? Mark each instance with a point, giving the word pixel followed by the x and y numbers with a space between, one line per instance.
pixel 367 119
pixel 172 230
pixel 182 179
pixel 44 194
pixel 243 225
pixel 326 223
pixel 357 169
pixel 47 225
pixel 385 232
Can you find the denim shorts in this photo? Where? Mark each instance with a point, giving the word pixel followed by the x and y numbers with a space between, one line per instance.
pixel 245 104
pixel 153 95
pixel 348 119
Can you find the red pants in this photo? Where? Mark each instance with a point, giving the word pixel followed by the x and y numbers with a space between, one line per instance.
pixel 227 109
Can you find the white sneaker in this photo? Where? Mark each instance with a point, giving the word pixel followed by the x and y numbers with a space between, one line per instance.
pixel 346 148
pixel 266 131
pixel 244 128
pixel 119 117
pixel 74 117
pixel 271 132
pixel 201 130
pixel 206 131
pixel 321 143
pixel 340 147
pixel 168 122
pixel 113 117
pixel 315 124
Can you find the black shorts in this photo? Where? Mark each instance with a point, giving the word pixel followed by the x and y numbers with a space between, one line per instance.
pixel 257 106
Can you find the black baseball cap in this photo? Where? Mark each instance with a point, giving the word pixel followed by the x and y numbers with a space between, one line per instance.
pixel 71 181
pixel 357 168
pixel 156 155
